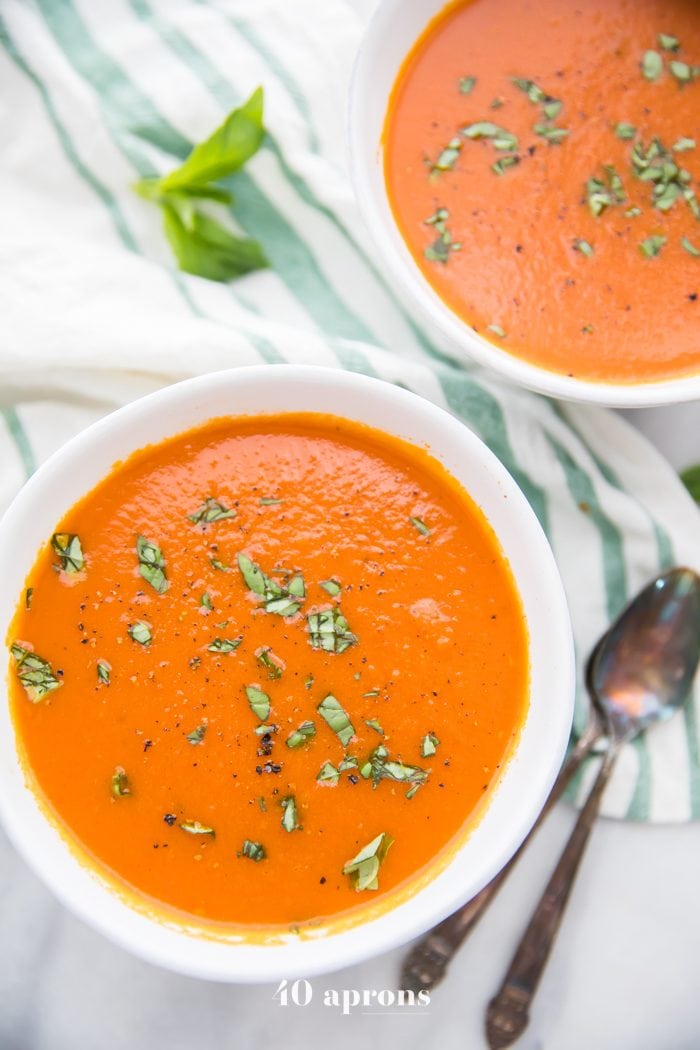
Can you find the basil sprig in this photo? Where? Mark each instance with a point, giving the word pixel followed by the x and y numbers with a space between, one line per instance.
pixel 35 674
pixel 363 869
pixel 69 550
pixel 202 245
pixel 151 564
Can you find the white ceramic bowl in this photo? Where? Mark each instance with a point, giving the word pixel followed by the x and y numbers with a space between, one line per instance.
pixel 84 461
pixel 391 33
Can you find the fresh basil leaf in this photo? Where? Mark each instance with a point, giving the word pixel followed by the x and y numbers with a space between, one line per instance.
pixel 140 632
pixel 650 247
pixel 466 85
pixel 205 602
pixel 282 599
pixel 211 510
pixel 691 480
pixel 205 248
pixel 416 522
pixel 329 630
pixel 348 762
pixel 270 501
pixel 652 65
pixel 623 130
pixel 151 564
pixel 120 784
pixel 270 662
pixel 305 732
pixel 219 565
pixel 253 850
pixel 331 587
pixel 226 150
pixel 35 674
pixel 689 247
pixel 104 671
pixel 309 681
pixel 333 712
pixel 328 774
pixel 69 550
pixel 290 818
pixel 259 702
pixel 363 869
pixel 224 645
pixel 429 745
pixel 374 724
pixel 193 827
pixel 264 729
pixel 668 42
pixel 197 735
pixel 381 767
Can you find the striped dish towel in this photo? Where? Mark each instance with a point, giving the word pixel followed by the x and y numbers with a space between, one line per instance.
pixel 97 93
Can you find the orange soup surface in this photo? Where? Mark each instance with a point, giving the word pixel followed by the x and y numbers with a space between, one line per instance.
pixel 258 648
pixel 542 160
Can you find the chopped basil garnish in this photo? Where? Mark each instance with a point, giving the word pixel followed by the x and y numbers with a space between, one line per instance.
pixel 502 139
pixel 447 157
pixel 551 134
pixel 290 819
pixel 466 85
pixel 363 869
pixel 264 729
pixel 104 671
pixel 623 130
pixel 332 587
pixel 328 774
pixel 140 632
pixel 683 144
pixel 120 784
pixel 501 166
pixel 205 601
pixel 259 702
pixel 443 245
pixel 270 662
pixel 151 564
pixel 652 65
pixel 332 711
pixel 253 850
pixel 197 735
pixel 211 510
pixel 681 71
pixel 419 524
pixel 193 827
pixel 282 599
pixel 651 246
pixel 690 247
pixel 305 732
pixel 348 762
pixel 533 91
pixel 309 681
pixel 216 564
pixel 371 692
pixel 373 723
pixel 632 213
pixel 35 674
pixel 269 501
pixel 428 745
pixel 224 645
pixel 584 248
pixel 69 550
pixel 668 43
pixel 380 767
pixel 329 630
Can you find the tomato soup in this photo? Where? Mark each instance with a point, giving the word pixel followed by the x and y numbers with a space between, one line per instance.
pixel 542 161
pixel 269 669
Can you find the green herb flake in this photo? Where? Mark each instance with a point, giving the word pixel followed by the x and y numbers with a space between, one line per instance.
pixel 583 247
pixel 371 692
pixel 501 166
pixel 533 91
pixel 466 85
pixel 486 129
pixel 690 247
pixel 329 631
pixel 624 131
pixel 650 247
pixel 210 511
pixel 290 817
pixel 140 632
pixel 263 729
pixel 497 330
pixel 668 42
pixel 683 144
pixel 363 869
pixel 120 783
pixel 551 134
pixel 496 103
pixel 219 565
pixel 270 662
pixel 151 564
pixel 197 735
pixel 373 723
pixel 300 736
pixel 69 550
pixel 420 526
pixel 380 766
pixel 193 827
pixel 652 65
pixel 270 501
pixel 632 213
pixel 35 674
pixel 283 600
pixel 253 851
pixel 691 480
pixel 262 804
pixel 205 602
pixel 259 702
pixel 309 681
pixel 328 774
pixel 428 745
pixel 333 712
pixel 331 587
pixel 104 672
pixel 224 645
pixel 28 595
pixel 681 71
pixel 447 157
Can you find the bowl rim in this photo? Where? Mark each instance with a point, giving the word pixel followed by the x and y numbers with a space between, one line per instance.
pixel 83 891
pixel 365 160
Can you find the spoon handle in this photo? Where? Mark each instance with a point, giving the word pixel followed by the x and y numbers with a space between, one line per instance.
pixel 507 1015
pixel 427 962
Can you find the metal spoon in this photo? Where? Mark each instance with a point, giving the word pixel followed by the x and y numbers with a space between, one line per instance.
pixel 641 673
